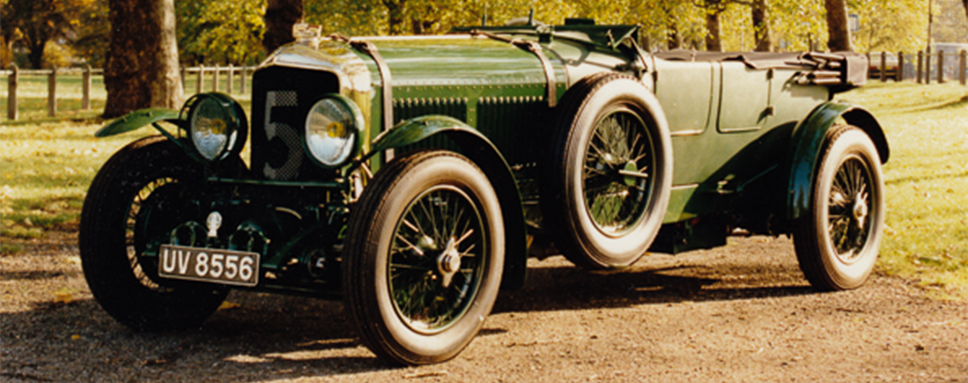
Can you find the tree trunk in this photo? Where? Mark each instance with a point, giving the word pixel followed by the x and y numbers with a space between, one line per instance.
pixel 838 34
pixel 673 38
pixel 280 16
pixel 142 65
pixel 713 32
pixel 36 55
pixel 166 89
pixel 761 26
pixel 396 15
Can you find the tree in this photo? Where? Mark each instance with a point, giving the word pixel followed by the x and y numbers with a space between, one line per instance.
pixel 93 31
pixel 761 26
pixel 950 25
pixel 713 9
pixel 838 34
pixel 220 32
pixel 279 18
pixel 34 23
pixel 890 25
pixel 349 17
pixel 395 15
pixel 142 66
pixel 673 23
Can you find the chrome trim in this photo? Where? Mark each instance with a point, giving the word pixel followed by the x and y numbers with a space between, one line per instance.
pixel 355 79
pixel 684 186
pixel 686 133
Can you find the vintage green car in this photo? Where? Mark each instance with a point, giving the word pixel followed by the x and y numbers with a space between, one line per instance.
pixel 412 177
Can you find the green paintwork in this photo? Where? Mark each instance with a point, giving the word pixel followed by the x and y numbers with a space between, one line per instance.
pixel 136 120
pixel 730 121
pixel 725 138
pixel 463 61
pixel 680 197
pixel 808 139
pixel 599 36
pixel 744 139
pixel 417 129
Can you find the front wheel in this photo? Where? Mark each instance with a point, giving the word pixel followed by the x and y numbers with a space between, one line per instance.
pixel 838 239
pixel 136 197
pixel 423 259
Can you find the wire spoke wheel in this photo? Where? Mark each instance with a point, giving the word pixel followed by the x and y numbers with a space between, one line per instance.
pixel 144 268
pixel 135 200
pixel 849 209
pixel 618 172
pixel 423 257
pixel 608 178
pixel 838 238
pixel 435 264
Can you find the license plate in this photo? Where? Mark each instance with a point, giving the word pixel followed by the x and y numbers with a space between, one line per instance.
pixel 227 267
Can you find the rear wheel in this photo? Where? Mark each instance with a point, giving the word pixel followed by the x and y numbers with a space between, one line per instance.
pixel 423 259
pixel 837 241
pixel 135 197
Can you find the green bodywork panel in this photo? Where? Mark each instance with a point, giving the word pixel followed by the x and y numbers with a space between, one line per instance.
pixel 468 61
pixel 730 126
pixel 807 142
pixel 137 119
pixel 413 131
pixel 745 97
pixel 464 78
pixel 489 85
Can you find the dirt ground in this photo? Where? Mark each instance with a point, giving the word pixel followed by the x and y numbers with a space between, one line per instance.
pixel 738 313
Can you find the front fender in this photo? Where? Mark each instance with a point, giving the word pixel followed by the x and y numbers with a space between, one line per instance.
pixel 485 155
pixel 137 119
pixel 807 142
pixel 418 129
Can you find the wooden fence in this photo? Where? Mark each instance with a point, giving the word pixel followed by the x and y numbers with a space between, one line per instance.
pixel 202 74
pixel 919 67
pixel 915 66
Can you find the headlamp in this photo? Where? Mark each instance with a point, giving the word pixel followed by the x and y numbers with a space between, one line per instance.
pixel 217 125
pixel 332 130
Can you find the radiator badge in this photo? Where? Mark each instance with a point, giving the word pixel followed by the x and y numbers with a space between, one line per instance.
pixel 213 222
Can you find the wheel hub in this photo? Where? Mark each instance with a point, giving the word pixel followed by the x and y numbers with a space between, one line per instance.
pixel 448 263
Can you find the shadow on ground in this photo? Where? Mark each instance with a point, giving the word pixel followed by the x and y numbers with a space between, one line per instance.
pixel 263 336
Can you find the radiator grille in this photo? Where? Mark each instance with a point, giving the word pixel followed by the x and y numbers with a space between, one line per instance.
pixel 404 109
pixel 292 155
pixel 514 125
pixel 281 98
pixel 407 108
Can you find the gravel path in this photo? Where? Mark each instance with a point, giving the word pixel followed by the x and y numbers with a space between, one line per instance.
pixel 738 313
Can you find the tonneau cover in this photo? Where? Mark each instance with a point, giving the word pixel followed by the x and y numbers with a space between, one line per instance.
pixel 839 70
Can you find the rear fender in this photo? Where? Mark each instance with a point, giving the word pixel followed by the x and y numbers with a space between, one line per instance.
pixel 485 155
pixel 807 142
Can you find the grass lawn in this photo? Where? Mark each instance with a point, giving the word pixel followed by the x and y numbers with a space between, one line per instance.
pixel 926 181
pixel 46 165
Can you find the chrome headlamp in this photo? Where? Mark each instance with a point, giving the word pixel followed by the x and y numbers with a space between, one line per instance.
pixel 332 130
pixel 216 125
